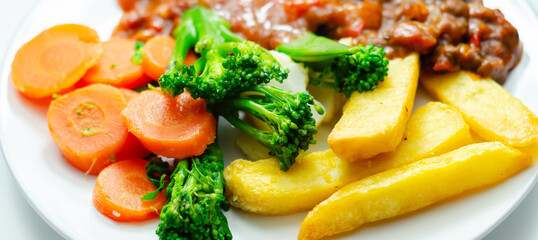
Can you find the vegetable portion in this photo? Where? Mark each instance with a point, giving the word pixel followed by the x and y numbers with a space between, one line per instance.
pixel 490 110
pixel 178 127
pixel 228 64
pixel 115 67
pixel 118 190
pixel 374 122
pixel 55 60
pixel 331 64
pixel 288 116
pixel 195 198
pixel 157 54
pixel 229 75
pixel 128 93
pixel 86 125
pixel 411 187
pixel 260 187
pixel 132 147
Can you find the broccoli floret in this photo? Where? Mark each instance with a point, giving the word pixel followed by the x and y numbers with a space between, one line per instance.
pixel 288 116
pixel 195 198
pixel 331 64
pixel 230 74
pixel 227 64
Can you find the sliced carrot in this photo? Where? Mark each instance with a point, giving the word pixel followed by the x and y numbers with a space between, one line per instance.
pixel 157 54
pixel 55 60
pixel 115 67
pixel 177 127
pixel 87 126
pixel 128 93
pixel 118 190
pixel 132 147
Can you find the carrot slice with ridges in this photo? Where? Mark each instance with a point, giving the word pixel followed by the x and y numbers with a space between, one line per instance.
pixel 177 127
pixel 115 66
pixel 86 125
pixel 118 190
pixel 55 60
pixel 157 54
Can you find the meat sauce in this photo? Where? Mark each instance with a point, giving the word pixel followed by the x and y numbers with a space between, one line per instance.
pixel 449 34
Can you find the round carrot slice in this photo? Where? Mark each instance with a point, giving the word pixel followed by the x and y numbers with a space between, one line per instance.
pixel 132 147
pixel 118 190
pixel 177 127
pixel 55 60
pixel 157 53
pixel 86 125
pixel 116 67
pixel 128 93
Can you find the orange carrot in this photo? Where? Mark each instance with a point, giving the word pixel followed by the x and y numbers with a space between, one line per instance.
pixel 157 54
pixel 55 60
pixel 128 93
pixel 116 67
pixel 118 190
pixel 86 125
pixel 177 127
pixel 132 147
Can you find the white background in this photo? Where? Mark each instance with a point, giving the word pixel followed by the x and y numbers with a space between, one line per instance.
pixel 19 221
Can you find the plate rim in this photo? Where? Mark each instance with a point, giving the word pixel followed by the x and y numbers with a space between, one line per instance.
pixel 4 74
pixel 4 84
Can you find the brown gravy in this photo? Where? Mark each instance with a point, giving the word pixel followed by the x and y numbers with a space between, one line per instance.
pixel 449 34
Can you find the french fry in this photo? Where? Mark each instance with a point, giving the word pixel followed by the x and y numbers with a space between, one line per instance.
pixel 491 111
pixel 261 187
pixel 411 187
pixel 374 122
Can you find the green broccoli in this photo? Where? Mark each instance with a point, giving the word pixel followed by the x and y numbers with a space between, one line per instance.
pixel 227 63
pixel 332 64
pixel 288 116
pixel 195 198
pixel 228 75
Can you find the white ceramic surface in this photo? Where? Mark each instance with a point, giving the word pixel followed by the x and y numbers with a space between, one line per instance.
pixel 62 195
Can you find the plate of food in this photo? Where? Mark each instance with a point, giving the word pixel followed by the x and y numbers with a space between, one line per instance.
pixel 270 119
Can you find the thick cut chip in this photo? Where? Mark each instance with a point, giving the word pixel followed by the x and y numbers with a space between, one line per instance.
pixel 374 122
pixel 491 111
pixel 411 187
pixel 261 187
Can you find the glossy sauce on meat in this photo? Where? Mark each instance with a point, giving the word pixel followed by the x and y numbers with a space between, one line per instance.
pixel 450 34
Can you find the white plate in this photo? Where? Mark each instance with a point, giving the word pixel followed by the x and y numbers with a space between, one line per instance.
pixel 62 195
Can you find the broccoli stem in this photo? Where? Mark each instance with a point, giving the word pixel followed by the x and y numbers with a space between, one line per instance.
pixel 313 48
pixel 346 69
pixel 255 109
pixel 262 137
pixel 186 38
